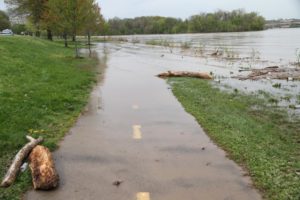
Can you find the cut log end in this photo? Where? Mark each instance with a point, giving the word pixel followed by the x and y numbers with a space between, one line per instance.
pixel 44 175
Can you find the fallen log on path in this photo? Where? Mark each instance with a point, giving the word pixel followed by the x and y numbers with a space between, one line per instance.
pixel 201 75
pixel 44 175
pixel 13 170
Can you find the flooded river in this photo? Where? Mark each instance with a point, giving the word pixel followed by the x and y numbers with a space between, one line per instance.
pixel 245 50
pixel 277 45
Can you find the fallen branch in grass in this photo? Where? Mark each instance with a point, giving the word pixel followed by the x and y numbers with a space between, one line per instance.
pixel 13 170
pixel 201 75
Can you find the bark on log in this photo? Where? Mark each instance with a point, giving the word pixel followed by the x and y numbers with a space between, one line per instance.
pixel 202 75
pixel 44 175
pixel 13 170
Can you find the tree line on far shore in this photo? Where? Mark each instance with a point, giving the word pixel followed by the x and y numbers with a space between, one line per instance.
pixel 220 21
pixel 69 18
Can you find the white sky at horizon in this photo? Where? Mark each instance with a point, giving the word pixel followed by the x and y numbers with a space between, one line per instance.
pixel 270 9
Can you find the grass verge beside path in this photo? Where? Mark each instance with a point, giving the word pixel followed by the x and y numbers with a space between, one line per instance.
pixel 43 89
pixel 260 138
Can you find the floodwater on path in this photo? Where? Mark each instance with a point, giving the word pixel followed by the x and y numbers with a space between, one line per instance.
pixel 239 53
pixel 136 135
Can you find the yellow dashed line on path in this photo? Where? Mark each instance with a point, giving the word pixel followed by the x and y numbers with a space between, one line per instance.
pixel 135 107
pixel 143 196
pixel 137 134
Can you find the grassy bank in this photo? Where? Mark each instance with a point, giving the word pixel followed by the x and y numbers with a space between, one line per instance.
pixel 260 138
pixel 43 89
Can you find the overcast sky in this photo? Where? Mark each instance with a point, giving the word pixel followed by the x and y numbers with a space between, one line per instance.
pixel 270 9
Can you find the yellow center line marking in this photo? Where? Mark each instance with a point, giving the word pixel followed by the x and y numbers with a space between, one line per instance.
pixel 137 134
pixel 135 107
pixel 143 196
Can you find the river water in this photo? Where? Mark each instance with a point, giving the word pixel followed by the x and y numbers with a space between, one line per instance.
pixel 276 45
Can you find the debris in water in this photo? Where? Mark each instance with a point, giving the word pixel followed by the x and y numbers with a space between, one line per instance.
pixel 273 72
pixel 118 183
pixel 244 70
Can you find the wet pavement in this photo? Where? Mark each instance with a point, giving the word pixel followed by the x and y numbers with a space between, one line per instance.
pixel 135 132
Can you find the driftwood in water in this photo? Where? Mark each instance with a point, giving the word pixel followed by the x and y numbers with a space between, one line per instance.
pixel 44 175
pixel 202 75
pixel 272 73
pixel 18 160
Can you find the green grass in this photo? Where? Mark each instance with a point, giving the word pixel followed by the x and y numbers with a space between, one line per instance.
pixel 260 138
pixel 298 99
pixel 43 89
pixel 164 43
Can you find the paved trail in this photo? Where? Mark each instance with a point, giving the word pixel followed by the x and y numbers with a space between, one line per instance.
pixel 136 131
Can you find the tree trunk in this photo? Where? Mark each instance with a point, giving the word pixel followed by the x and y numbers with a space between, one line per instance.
pixel 74 23
pixel 89 43
pixel 202 75
pixel 44 175
pixel 76 48
pixel 49 35
pixel 38 33
pixel 66 39
pixel 18 160
pixel 73 38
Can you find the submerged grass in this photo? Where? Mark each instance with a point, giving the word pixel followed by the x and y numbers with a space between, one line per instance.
pixel 43 89
pixel 164 43
pixel 260 138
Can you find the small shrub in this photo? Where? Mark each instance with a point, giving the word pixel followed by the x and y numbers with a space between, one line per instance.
pixel 276 85
pixel 135 41
pixel 298 57
pixel 185 45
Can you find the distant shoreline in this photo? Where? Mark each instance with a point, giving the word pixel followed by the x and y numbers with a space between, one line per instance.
pixel 282 23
